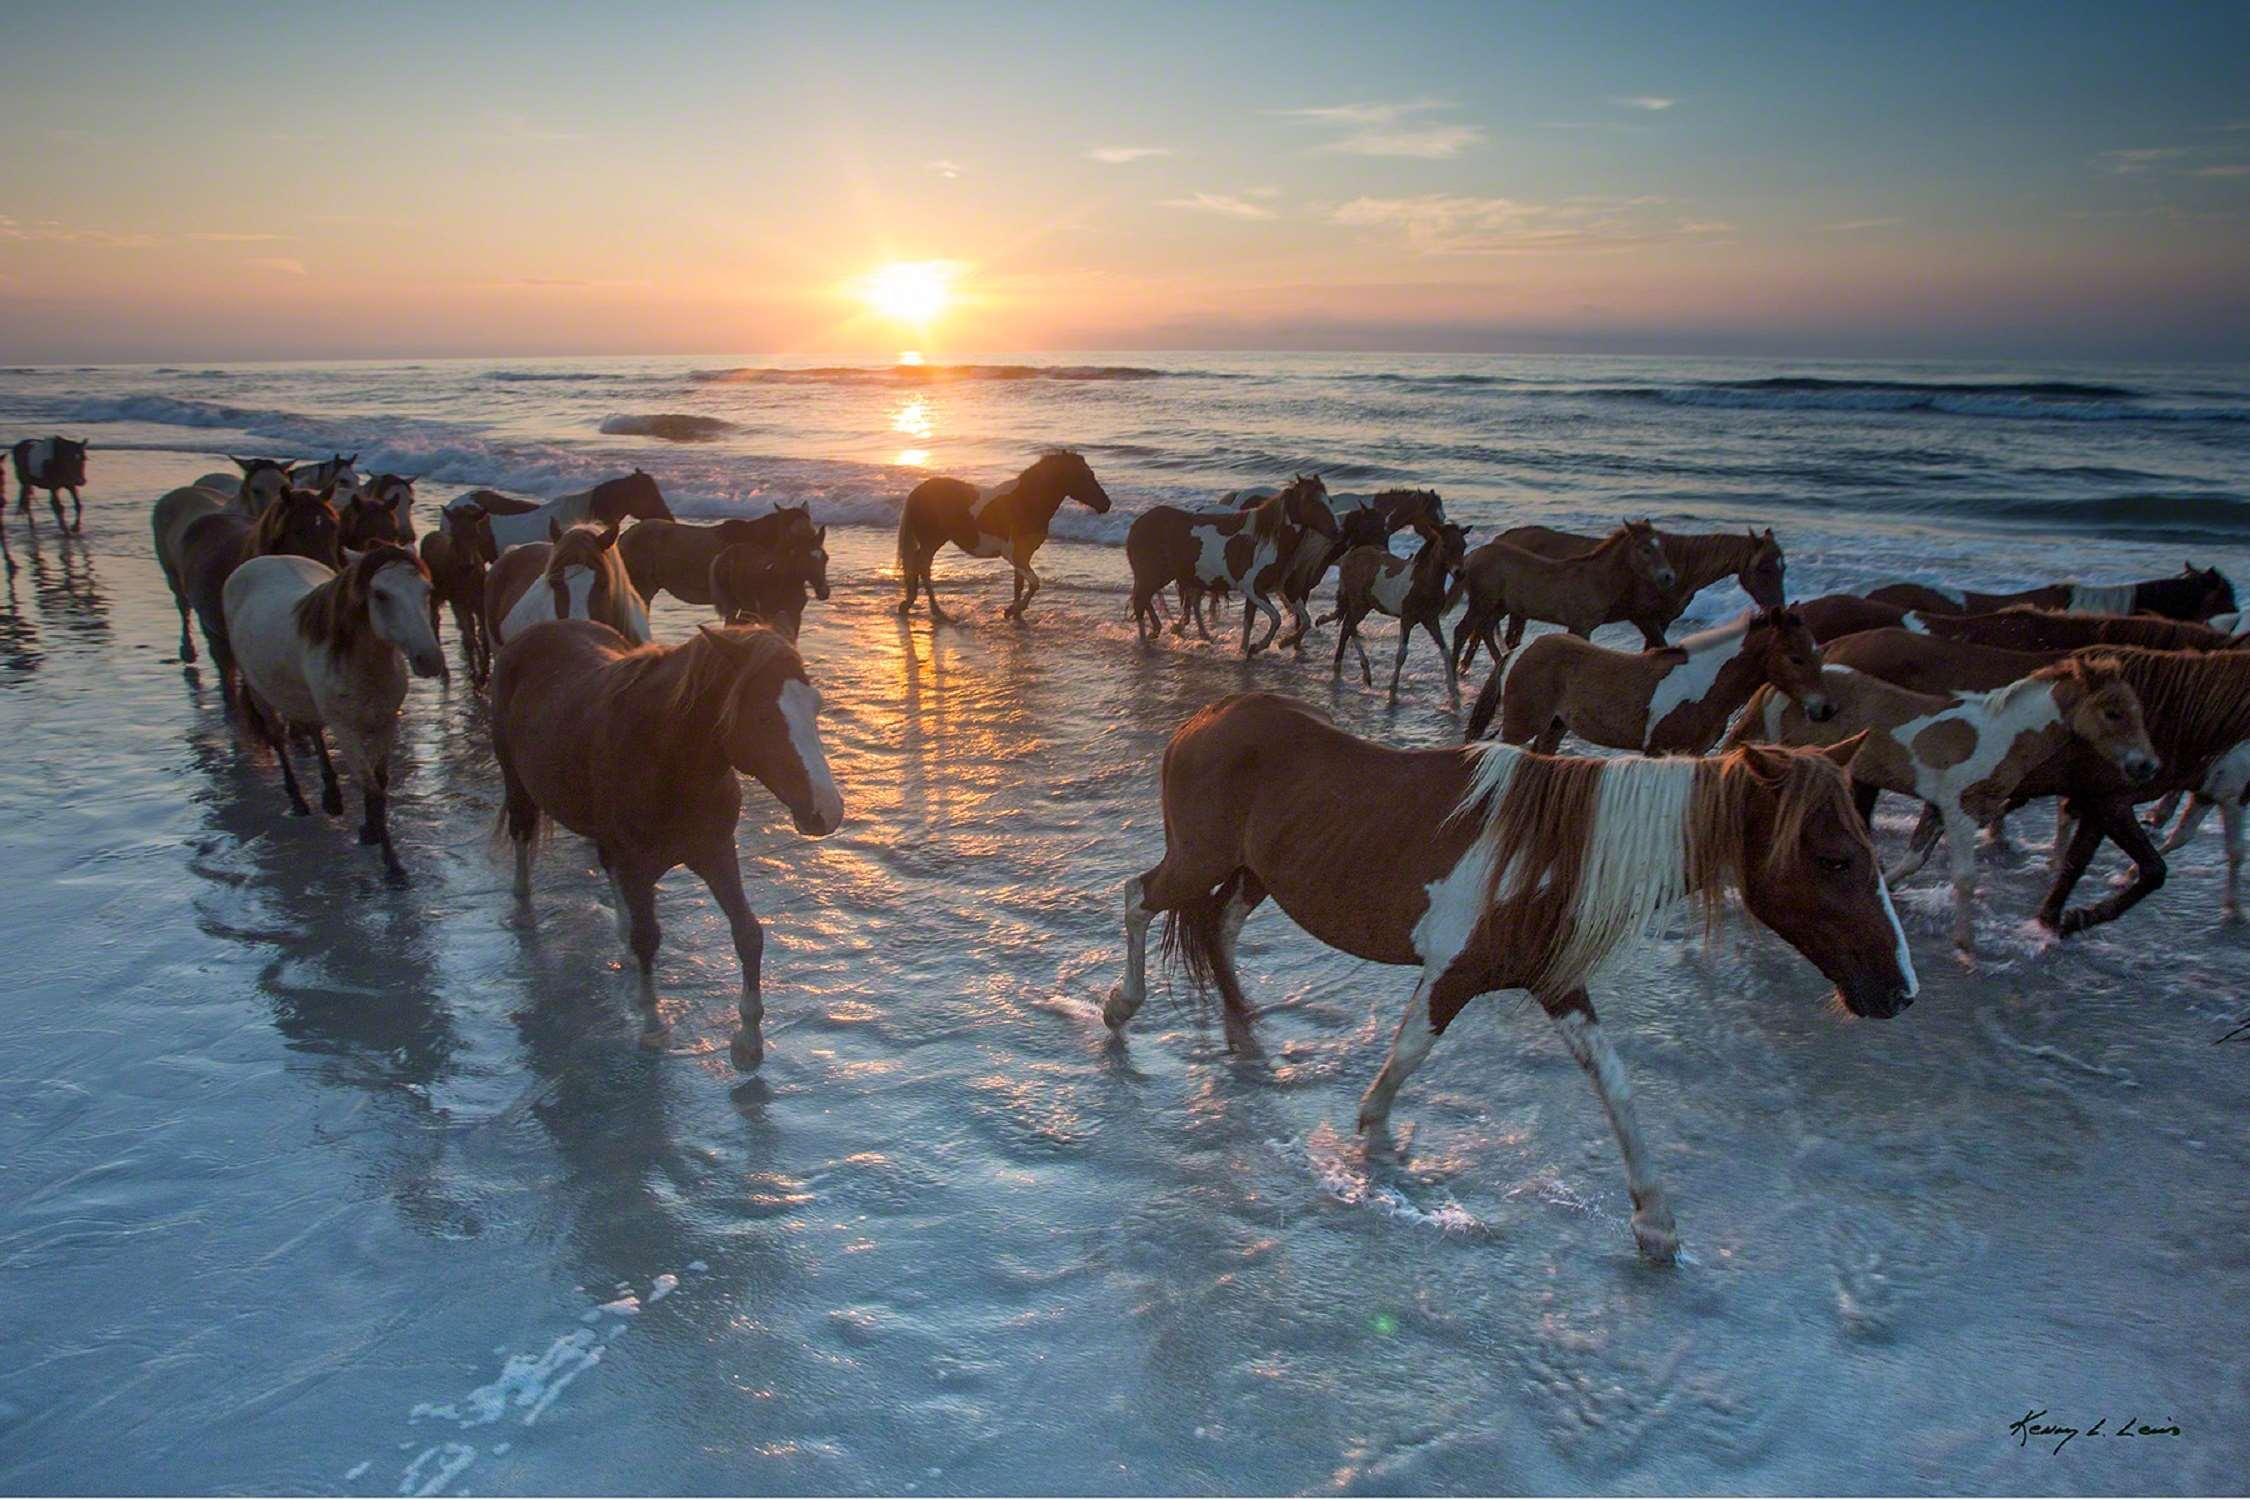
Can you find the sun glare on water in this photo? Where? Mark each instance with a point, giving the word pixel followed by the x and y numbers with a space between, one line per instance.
pixel 914 292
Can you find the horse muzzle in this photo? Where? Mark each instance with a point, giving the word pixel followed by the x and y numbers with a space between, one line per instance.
pixel 428 664
pixel 2140 769
pixel 1819 710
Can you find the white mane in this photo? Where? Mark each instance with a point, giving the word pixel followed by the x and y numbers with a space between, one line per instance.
pixel 1721 634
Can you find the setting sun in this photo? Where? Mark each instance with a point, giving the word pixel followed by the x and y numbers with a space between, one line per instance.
pixel 910 291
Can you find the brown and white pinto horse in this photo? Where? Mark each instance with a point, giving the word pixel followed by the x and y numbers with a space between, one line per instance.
pixel 2193 594
pixel 675 557
pixel 1699 559
pixel 1674 700
pixel 1491 868
pixel 576 576
pixel 1244 550
pixel 1965 754
pixel 1011 522
pixel 1579 592
pixel 53 464
pixel 1411 591
pixel 640 749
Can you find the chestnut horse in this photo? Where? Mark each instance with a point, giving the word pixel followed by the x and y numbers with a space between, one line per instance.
pixel 1010 522
pixel 1675 700
pixel 299 524
pixel 576 576
pixel 768 585
pixel 674 557
pixel 2192 594
pixel 1965 754
pixel 639 748
pixel 1579 592
pixel 1699 559
pixel 1492 868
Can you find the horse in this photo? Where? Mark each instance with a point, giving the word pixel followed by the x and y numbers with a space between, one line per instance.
pixel 1153 539
pixel 1578 592
pixel 1010 522
pixel 53 464
pixel 1244 549
pixel 1491 868
pixel 457 554
pixel 2023 628
pixel 577 576
pixel 1831 617
pixel 674 557
pixel 2224 786
pixel 632 496
pixel 1674 700
pixel 1413 592
pixel 318 648
pixel 397 492
pixel 2192 594
pixel 299 524
pixel 765 585
pixel 1698 559
pixel 340 470
pixel 1965 754
pixel 1361 521
pixel 639 749
pixel 304 515
pixel 368 519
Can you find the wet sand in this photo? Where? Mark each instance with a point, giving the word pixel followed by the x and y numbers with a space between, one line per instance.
pixel 310 1184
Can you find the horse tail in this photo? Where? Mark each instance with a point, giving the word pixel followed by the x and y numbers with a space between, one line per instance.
pixel 1453 594
pixel 1192 940
pixel 1487 704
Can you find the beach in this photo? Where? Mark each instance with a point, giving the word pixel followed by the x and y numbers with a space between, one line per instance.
pixel 307 1183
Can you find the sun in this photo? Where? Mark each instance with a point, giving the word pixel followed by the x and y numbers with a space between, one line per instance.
pixel 914 292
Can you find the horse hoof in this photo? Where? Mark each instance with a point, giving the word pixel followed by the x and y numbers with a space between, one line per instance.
pixel 332 803
pixel 1658 1239
pixel 396 878
pixel 300 810
pixel 656 1038
pixel 746 1051
pixel 1114 1013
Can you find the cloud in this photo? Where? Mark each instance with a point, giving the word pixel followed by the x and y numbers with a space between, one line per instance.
pixel 1850 226
pixel 1433 144
pixel 1360 114
pixel 2224 169
pixel 949 170
pixel 280 265
pixel 1456 224
pixel 230 237
pixel 57 232
pixel 2138 159
pixel 1221 203
pixel 1644 101
pixel 1118 156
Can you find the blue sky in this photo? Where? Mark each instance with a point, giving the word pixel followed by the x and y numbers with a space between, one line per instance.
pixel 323 180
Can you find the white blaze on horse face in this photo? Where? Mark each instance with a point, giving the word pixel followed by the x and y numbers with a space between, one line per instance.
pixel 1707 654
pixel 800 710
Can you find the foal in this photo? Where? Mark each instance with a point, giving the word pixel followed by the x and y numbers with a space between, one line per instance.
pixel 1579 592
pixel 1675 700
pixel 1412 592
pixel 640 749
pixel 1965 754
pixel 1492 868
pixel 457 555
pixel 1245 550
pixel 768 585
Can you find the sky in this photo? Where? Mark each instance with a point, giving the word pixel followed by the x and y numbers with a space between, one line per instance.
pixel 317 180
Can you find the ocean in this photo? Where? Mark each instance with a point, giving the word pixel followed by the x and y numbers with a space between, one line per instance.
pixel 309 1184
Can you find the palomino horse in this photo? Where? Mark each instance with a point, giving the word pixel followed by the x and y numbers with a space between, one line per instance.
pixel 1964 755
pixel 1675 700
pixel 674 557
pixel 299 524
pixel 632 496
pixel 1491 868
pixel 1699 559
pixel 319 648
pixel 765 585
pixel 2192 594
pixel 1245 550
pixel 53 464
pixel 1010 522
pixel 457 554
pixel 638 749
pixel 1579 592
pixel 577 576
pixel 1410 591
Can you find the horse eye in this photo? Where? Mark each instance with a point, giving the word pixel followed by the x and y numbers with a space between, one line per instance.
pixel 1834 864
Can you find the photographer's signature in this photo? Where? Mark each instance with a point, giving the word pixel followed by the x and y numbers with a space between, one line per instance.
pixel 2034 1426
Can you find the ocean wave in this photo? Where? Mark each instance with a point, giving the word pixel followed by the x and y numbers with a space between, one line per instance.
pixel 552 377
pixel 2198 516
pixel 673 427
pixel 2052 400
pixel 921 374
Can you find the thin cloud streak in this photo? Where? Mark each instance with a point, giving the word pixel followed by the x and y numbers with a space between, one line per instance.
pixel 1450 224
pixel 1359 114
pixel 1220 203
pixel 1435 144
pixel 1118 156
pixel 1650 102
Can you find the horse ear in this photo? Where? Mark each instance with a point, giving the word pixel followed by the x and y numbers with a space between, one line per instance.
pixel 554 529
pixel 328 492
pixel 1841 753
pixel 820 535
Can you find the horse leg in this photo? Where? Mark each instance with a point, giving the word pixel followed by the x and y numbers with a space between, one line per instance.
pixel 1653 1229
pixel 2085 840
pixel 1961 854
pixel 1366 670
pixel 636 894
pixel 2119 822
pixel 77 512
pixel 1918 846
pixel 2190 821
pixel 1865 794
pixel 1398 660
pixel 929 591
pixel 1516 624
pixel 277 735
pixel 1027 580
pixel 187 643
pixel 721 870
pixel 331 795
pixel 2161 813
pixel 522 820
pixel 375 793
pixel 1452 677
pixel 1437 999
pixel 1549 741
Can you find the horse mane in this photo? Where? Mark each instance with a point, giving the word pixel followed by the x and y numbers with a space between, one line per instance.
pixel 1723 633
pixel 266 533
pixel 687 677
pixel 333 614
pixel 581 546
pixel 2197 701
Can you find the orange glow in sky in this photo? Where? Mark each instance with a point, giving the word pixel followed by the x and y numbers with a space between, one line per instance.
pixel 913 292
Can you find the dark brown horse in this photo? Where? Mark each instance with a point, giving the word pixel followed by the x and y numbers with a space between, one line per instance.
pixel 768 585
pixel 2192 594
pixel 1011 522
pixel 1698 559
pixel 366 521
pixel 674 557
pixel 458 554
pixel 298 524
pixel 1490 868
pixel 640 749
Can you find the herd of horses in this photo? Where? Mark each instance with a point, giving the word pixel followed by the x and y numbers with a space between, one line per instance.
pixel 1755 751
